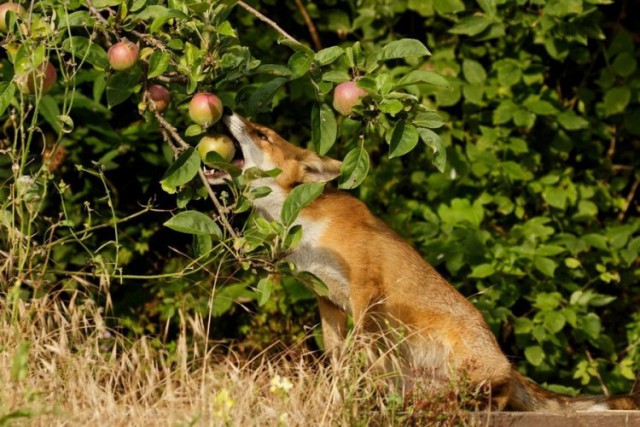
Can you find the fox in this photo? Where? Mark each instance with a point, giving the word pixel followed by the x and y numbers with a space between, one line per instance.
pixel 373 275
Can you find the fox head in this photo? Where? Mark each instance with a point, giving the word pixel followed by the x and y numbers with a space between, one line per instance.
pixel 263 148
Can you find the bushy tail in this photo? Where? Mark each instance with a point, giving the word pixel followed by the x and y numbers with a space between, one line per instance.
pixel 524 395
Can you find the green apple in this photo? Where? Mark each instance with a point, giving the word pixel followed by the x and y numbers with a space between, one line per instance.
pixel 220 143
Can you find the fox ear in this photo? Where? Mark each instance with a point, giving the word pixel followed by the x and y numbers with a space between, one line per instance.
pixel 321 169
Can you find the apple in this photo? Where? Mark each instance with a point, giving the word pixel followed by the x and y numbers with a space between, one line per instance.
pixel 123 55
pixel 43 77
pixel 160 97
pixel 4 8
pixel 205 109
pixel 346 95
pixel 220 143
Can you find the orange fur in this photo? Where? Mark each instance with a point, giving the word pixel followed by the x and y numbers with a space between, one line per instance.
pixel 379 279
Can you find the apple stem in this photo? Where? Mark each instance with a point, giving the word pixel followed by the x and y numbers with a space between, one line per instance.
pixel 169 132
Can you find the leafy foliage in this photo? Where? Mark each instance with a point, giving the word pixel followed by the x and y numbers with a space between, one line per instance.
pixel 499 136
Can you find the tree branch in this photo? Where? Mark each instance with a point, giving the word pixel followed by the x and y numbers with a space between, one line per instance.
pixel 312 28
pixel 630 197
pixel 263 18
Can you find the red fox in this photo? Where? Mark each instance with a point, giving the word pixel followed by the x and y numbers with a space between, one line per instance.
pixel 371 273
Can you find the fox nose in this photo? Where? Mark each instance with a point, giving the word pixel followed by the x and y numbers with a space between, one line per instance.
pixel 227 111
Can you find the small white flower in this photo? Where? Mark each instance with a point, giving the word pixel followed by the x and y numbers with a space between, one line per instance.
pixel 280 384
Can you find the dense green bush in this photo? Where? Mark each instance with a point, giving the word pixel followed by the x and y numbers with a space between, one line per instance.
pixel 533 215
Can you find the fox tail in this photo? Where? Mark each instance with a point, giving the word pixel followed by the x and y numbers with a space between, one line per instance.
pixel 524 395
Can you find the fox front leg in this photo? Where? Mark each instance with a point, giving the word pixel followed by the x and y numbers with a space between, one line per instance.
pixel 334 324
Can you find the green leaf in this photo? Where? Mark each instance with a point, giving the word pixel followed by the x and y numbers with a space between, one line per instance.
pixel 423 76
pixel 355 168
pixel 194 222
pixel 391 106
pixel 328 55
pixel 300 197
pixel 571 121
pixel 471 25
pixel 323 128
pixel 616 100
pixel 592 325
pixel 461 211
pixel 554 321
pixel 7 90
pixel 539 106
pixel 260 100
pixel 158 63
pixel 50 111
pixel 264 289
pixel 159 14
pixel 299 64
pixel 312 282
pixel 183 169
pixel 121 85
pixel 428 120
pixel 336 76
pixel 203 243
pixel 625 64
pixel 516 172
pixel 434 142
pixel 481 271
pixel 226 29
pixel 545 265
pixel 534 355
pixel 473 71
pixel 404 48
pixel 86 50
pixel 273 69
pixel 402 139
pixel 448 6
pixel 193 130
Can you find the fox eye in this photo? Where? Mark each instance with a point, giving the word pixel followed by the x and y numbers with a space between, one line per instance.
pixel 263 136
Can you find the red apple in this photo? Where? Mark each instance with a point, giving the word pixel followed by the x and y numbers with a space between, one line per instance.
pixel 123 55
pixel 4 8
pixel 205 109
pixel 220 143
pixel 160 97
pixel 346 95
pixel 43 77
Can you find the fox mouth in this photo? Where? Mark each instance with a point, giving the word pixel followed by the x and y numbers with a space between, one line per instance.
pixel 216 175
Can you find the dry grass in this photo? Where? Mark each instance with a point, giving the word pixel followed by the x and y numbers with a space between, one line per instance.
pixel 60 365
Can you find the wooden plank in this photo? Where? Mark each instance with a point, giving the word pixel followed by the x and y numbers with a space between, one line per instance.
pixel 557 419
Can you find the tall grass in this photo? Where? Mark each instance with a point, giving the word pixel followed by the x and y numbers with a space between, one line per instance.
pixel 61 365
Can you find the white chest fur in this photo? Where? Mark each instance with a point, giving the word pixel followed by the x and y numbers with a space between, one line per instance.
pixel 310 255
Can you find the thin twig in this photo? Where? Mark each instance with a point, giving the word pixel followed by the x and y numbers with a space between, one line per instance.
pixel 217 204
pixel 603 386
pixel 172 78
pixel 146 37
pixel 630 197
pixel 96 13
pixel 172 131
pixel 263 18
pixel 312 28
